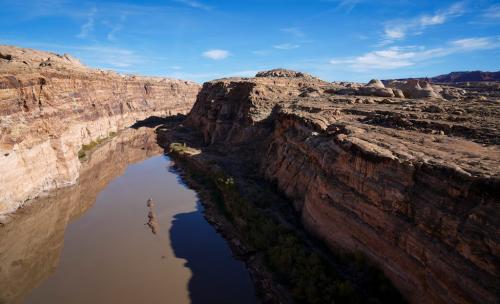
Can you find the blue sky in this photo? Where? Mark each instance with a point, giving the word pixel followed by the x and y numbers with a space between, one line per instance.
pixel 353 40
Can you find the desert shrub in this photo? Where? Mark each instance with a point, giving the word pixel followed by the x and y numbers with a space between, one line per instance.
pixel 91 145
pixel 179 148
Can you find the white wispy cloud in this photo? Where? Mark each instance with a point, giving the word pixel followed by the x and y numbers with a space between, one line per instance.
pixel 88 27
pixel 348 5
pixel 492 12
pixel 116 28
pixel 294 31
pixel 399 57
pixel 243 73
pixel 110 56
pixel 195 4
pixel 205 76
pixel 195 76
pixel 345 5
pixel 216 54
pixel 399 29
pixel 286 46
pixel 261 52
pixel 477 43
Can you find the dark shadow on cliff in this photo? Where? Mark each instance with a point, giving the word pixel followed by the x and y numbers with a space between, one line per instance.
pixel 155 121
pixel 214 279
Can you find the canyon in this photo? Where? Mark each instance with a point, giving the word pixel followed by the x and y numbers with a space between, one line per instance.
pixel 68 246
pixel 406 173
pixel 51 105
pixel 403 172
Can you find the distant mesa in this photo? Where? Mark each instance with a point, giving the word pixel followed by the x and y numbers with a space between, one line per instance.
pixel 467 76
pixel 456 77
pixel 284 73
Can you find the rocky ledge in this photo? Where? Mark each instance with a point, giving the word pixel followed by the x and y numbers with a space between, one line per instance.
pixel 407 172
pixel 51 105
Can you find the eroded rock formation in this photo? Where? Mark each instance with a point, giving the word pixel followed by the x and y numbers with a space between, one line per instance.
pixel 413 183
pixel 51 105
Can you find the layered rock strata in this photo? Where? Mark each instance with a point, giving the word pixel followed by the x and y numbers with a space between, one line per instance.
pixel 411 183
pixel 51 105
pixel 33 237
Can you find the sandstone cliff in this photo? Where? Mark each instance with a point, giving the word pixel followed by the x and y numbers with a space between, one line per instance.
pixel 412 183
pixel 32 239
pixel 51 105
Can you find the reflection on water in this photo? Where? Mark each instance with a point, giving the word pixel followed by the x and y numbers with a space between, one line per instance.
pixel 90 243
pixel 194 240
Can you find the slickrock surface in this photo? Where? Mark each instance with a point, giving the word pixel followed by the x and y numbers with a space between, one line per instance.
pixel 51 105
pixel 413 183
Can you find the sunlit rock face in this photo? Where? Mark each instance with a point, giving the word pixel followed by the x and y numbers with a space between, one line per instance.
pixel 51 105
pixel 413 183
pixel 32 238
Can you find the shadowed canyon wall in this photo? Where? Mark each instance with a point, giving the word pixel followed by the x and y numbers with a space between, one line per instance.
pixel 413 183
pixel 51 105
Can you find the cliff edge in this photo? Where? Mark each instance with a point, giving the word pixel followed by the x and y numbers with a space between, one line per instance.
pixel 52 105
pixel 408 172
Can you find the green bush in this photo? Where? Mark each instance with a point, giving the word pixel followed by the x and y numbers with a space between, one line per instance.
pixel 81 154
pixel 178 148
pixel 91 145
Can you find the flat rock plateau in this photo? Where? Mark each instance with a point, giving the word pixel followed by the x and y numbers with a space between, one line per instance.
pixel 406 172
pixel 51 105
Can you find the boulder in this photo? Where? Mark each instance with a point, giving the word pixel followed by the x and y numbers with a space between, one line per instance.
pixel 375 83
pixel 375 88
pixel 415 88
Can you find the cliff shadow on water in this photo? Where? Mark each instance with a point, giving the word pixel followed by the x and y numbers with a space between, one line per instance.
pixel 212 281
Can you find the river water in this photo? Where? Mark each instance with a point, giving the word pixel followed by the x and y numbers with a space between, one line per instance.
pixel 90 243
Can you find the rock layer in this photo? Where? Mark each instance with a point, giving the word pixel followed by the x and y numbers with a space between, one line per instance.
pixel 51 105
pixel 412 183
pixel 33 237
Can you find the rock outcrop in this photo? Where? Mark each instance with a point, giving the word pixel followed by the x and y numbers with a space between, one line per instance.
pixel 51 105
pixel 285 73
pixel 416 89
pixel 375 88
pixel 412 183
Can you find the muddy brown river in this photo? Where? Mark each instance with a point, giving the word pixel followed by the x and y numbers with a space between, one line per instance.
pixel 90 243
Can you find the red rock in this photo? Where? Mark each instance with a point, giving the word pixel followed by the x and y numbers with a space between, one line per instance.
pixel 47 112
pixel 371 177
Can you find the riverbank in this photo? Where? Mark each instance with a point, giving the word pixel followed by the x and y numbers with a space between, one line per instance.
pixel 91 243
pixel 286 263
